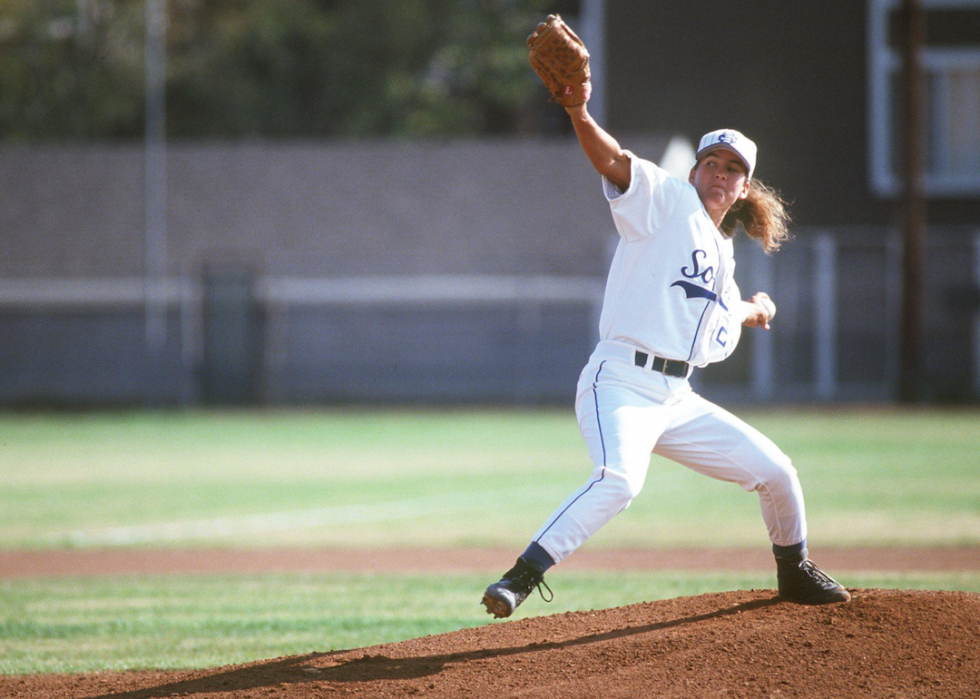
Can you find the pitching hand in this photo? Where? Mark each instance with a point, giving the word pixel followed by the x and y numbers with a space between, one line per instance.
pixel 759 311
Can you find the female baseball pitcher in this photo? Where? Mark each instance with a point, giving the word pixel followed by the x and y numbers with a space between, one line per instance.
pixel 671 305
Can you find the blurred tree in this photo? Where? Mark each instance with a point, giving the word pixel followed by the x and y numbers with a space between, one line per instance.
pixel 63 75
pixel 291 68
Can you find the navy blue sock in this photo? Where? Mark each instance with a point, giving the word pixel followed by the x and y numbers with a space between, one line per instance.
pixel 537 557
pixel 794 552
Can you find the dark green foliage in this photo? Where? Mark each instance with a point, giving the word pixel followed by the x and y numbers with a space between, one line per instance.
pixel 62 78
pixel 291 68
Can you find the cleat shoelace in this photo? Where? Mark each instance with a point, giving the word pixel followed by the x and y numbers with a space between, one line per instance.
pixel 540 592
pixel 532 579
pixel 811 569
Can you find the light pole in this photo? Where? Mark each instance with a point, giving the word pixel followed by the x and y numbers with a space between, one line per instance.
pixel 155 181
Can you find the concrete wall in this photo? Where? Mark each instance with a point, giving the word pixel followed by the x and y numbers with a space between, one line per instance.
pixel 373 272
pixel 72 297
pixel 311 209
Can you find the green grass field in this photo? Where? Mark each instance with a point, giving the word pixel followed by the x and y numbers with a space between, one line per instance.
pixel 461 477
pixel 427 478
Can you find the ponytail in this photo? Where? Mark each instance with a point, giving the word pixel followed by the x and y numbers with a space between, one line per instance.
pixel 762 214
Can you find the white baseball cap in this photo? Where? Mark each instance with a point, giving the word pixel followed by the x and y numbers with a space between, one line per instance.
pixel 734 141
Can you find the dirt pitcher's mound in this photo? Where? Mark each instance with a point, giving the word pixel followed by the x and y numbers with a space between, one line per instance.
pixel 740 644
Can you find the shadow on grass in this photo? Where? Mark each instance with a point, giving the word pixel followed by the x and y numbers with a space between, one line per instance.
pixel 300 670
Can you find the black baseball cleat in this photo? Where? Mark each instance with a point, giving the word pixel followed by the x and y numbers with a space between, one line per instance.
pixel 503 597
pixel 801 581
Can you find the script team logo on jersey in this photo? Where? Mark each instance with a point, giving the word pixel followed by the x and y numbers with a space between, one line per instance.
pixel 695 271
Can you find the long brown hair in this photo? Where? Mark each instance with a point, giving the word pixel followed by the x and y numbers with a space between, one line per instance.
pixel 762 214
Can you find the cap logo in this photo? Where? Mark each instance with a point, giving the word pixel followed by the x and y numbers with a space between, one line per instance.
pixel 743 146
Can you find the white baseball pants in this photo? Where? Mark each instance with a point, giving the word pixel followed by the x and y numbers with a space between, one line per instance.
pixel 625 412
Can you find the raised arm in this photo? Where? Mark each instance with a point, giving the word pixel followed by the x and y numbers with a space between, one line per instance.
pixel 603 151
pixel 561 60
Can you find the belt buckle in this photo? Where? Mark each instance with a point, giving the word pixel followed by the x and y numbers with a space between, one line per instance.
pixel 670 367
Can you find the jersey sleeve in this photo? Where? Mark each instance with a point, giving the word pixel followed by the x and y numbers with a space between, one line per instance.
pixel 647 203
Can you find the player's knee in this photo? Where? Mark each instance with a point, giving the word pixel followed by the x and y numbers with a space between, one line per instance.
pixel 779 474
pixel 622 489
pixel 630 488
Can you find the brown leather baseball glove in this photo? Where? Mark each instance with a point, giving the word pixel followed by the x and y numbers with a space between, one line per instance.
pixel 561 60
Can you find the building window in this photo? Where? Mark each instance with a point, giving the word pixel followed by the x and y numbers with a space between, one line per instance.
pixel 951 62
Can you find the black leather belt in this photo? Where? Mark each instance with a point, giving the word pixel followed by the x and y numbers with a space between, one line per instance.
pixel 671 367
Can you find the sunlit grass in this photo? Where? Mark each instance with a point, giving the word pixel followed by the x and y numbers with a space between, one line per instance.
pixel 476 477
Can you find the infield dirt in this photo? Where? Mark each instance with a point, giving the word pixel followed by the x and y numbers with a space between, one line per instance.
pixel 884 643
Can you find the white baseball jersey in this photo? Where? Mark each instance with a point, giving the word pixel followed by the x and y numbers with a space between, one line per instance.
pixel 671 289
pixel 671 293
